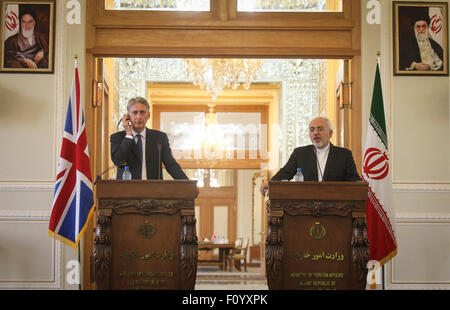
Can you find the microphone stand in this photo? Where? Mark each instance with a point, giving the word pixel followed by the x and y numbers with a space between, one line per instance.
pixel 99 176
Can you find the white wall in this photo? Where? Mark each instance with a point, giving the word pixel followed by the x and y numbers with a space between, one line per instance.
pixel 32 114
pixel 418 121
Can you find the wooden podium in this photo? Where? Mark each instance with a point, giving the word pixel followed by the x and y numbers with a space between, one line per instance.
pixel 317 235
pixel 145 235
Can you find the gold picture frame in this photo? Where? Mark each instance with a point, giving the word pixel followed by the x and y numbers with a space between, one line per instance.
pixel 27 32
pixel 420 38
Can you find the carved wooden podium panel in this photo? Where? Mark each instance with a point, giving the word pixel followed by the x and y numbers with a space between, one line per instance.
pixel 317 235
pixel 145 236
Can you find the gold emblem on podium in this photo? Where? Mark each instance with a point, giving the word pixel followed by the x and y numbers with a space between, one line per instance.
pixel 147 229
pixel 317 231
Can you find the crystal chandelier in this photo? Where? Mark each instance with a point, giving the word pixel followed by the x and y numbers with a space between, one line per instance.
pixel 216 74
pixel 214 145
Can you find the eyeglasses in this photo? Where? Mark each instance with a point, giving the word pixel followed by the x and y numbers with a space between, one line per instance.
pixel 320 128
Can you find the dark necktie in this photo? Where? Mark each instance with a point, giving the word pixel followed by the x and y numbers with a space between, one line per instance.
pixel 139 144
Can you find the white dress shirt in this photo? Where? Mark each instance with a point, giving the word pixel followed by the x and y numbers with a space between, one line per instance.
pixel 322 156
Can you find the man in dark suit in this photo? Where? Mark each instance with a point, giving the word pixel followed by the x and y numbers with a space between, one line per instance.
pixel 321 161
pixel 137 141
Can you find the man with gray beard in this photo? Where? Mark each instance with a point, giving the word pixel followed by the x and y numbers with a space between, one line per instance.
pixel 421 52
pixel 27 48
pixel 319 161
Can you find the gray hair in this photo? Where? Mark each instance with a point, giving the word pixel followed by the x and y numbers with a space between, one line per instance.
pixel 329 123
pixel 135 100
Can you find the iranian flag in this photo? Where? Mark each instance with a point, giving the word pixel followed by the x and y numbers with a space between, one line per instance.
pixel 11 26
pixel 436 25
pixel 376 171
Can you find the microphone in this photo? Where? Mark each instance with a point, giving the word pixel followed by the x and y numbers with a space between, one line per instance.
pixel 159 161
pixel 99 176
pixel 318 164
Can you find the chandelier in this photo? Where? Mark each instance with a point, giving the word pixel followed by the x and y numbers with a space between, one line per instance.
pixel 214 144
pixel 216 74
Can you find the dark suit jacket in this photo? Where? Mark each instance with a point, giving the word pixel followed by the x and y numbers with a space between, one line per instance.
pixel 340 165
pixel 409 52
pixel 125 150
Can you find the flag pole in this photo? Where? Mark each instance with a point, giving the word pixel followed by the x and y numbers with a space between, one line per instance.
pixel 79 264
pixel 75 58
pixel 382 267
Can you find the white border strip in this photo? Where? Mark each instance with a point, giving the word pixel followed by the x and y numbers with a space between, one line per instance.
pixel 421 218
pixel 27 215
pixel 26 186
pixel 418 187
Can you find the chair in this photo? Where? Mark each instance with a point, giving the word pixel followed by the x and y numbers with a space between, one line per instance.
pixel 240 254
pixel 237 247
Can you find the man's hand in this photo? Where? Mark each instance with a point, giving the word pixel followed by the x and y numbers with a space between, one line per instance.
pixel 30 63
pixel 263 188
pixel 422 67
pixel 38 57
pixel 126 124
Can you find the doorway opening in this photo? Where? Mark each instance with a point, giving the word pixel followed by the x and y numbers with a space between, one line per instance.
pixel 259 127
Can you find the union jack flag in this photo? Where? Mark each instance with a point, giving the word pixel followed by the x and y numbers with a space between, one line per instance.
pixel 73 197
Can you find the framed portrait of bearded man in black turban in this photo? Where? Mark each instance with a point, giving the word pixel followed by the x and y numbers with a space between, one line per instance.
pixel 420 38
pixel 27 33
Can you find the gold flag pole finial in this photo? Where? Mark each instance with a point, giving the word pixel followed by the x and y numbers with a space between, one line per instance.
pixel 75 57
pixel 378 57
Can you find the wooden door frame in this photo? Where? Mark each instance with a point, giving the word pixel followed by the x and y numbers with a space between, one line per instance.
pixel 343 105
pixel 227 194
pixel 224 32
pixel 227 33
pixel 205 203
